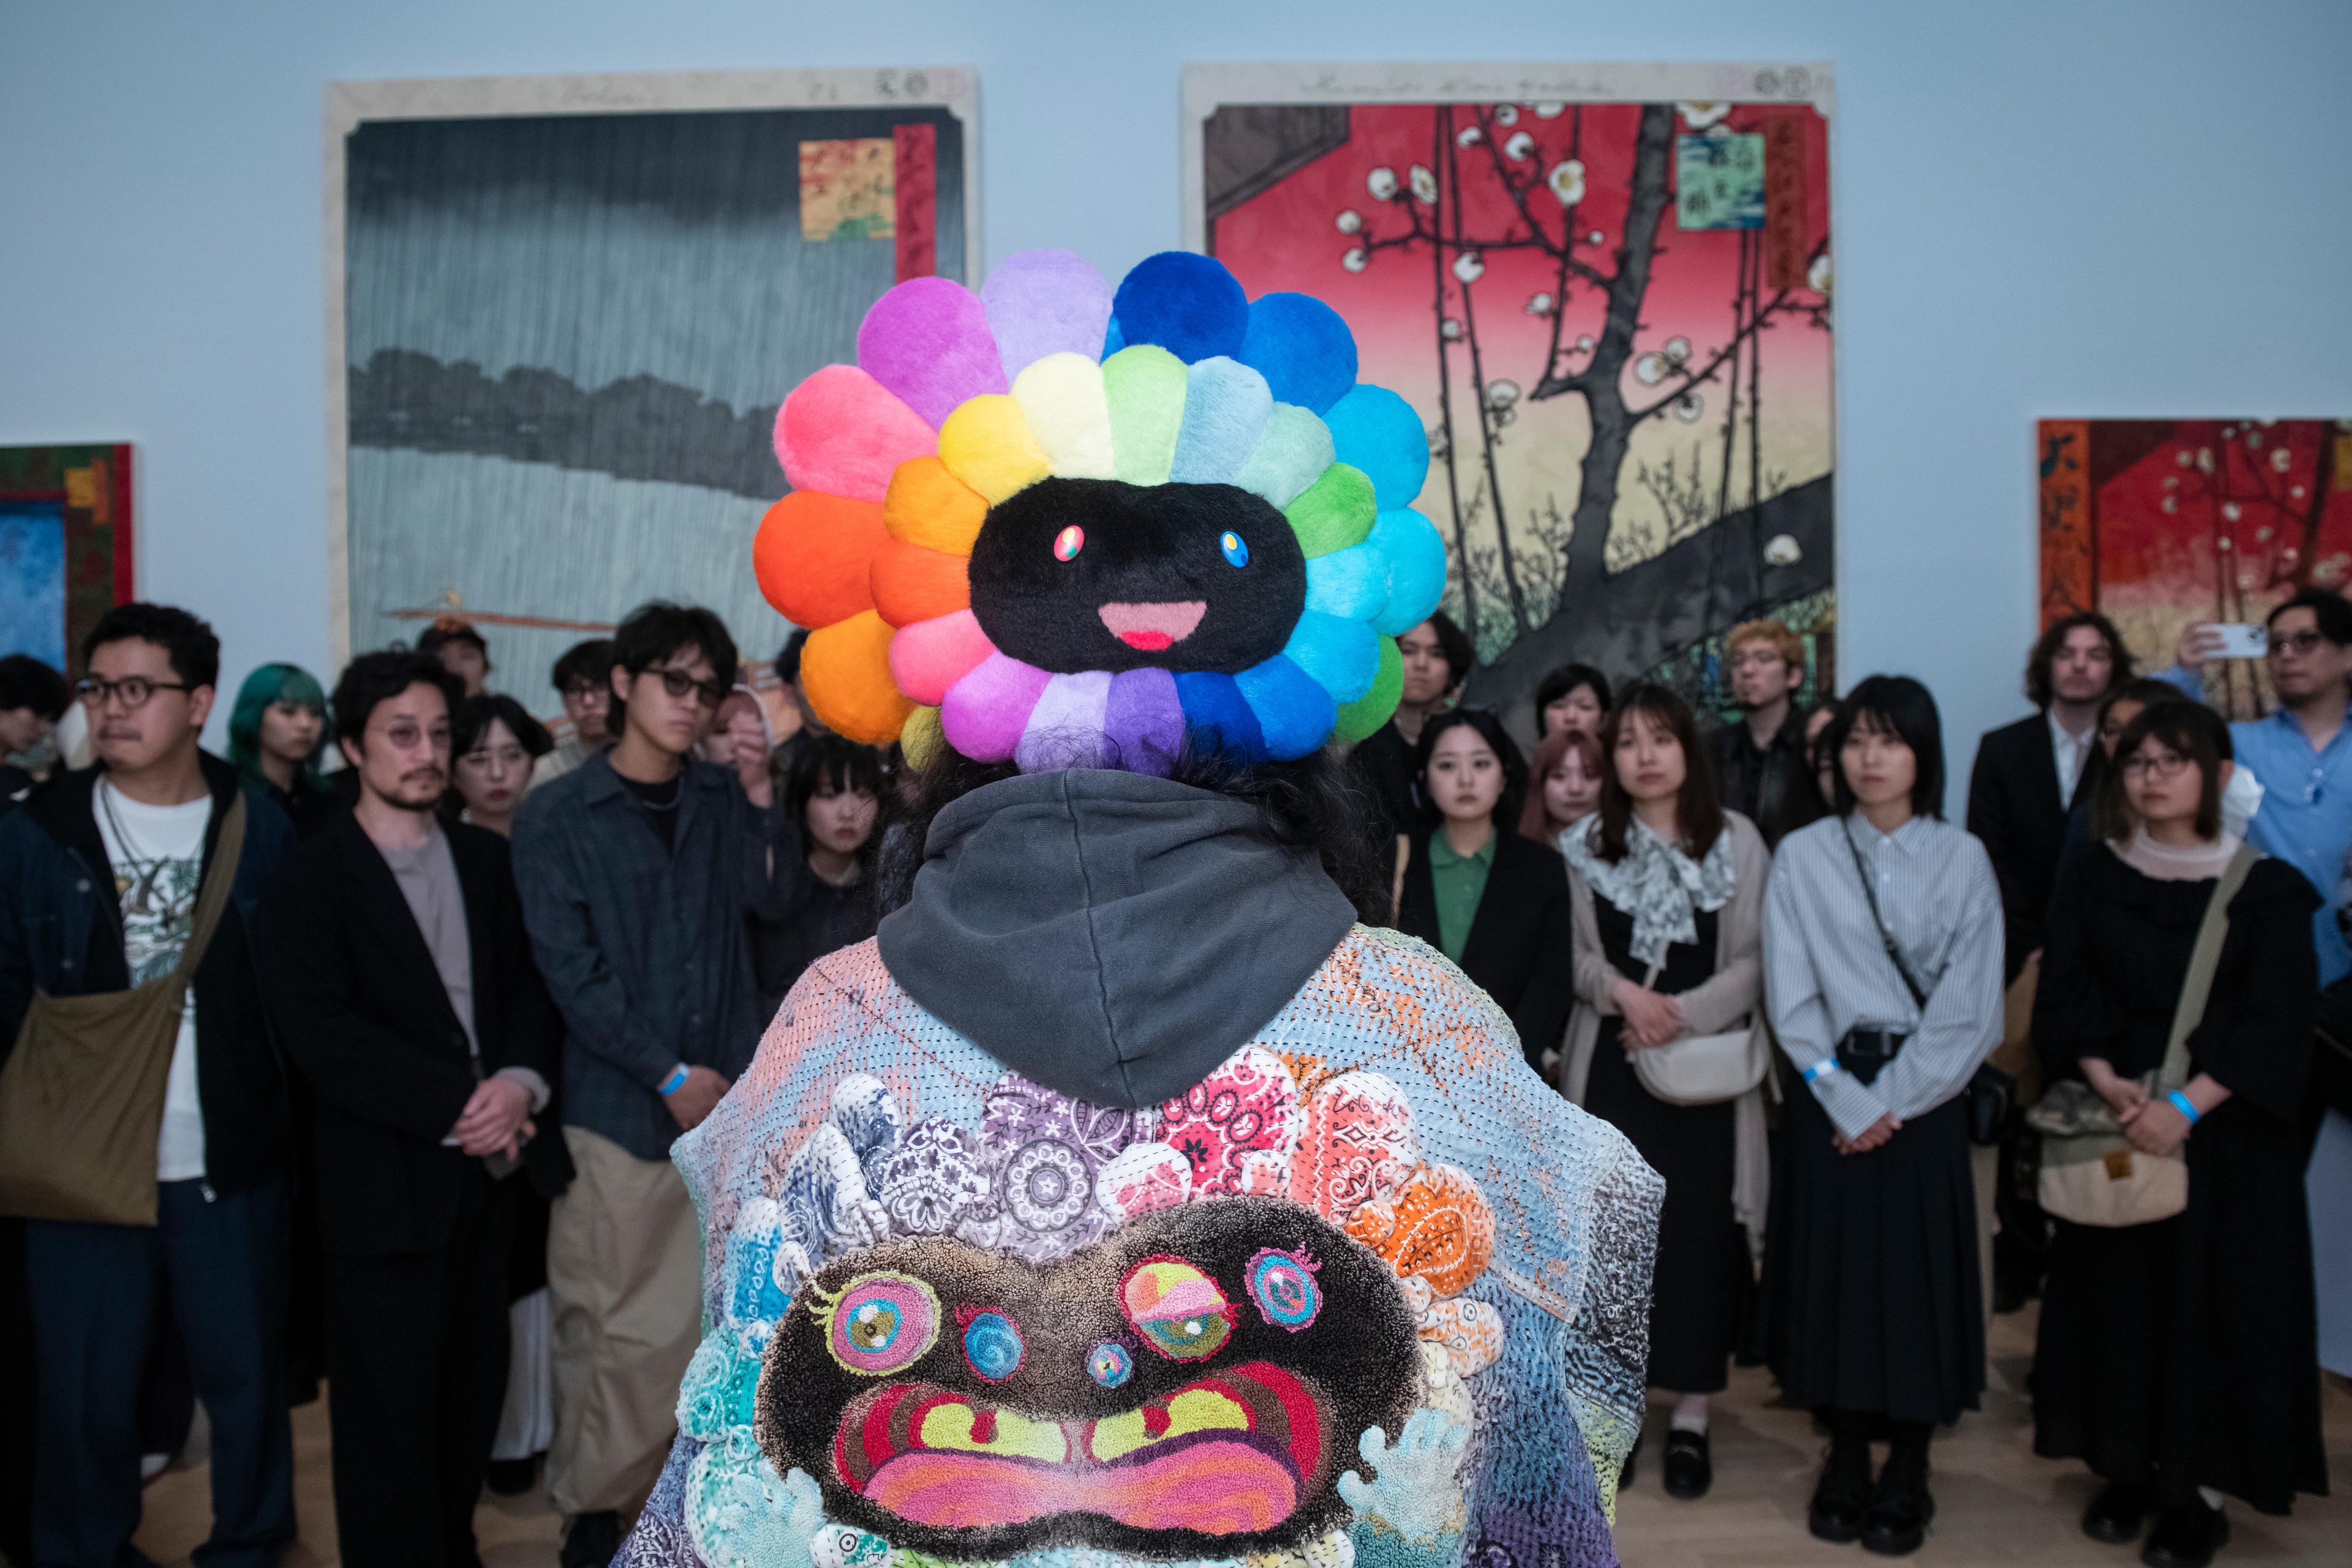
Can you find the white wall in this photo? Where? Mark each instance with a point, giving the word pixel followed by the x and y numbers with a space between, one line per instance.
pixel 2040 208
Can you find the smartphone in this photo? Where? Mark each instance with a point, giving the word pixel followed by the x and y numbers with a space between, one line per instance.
pixel 2240 639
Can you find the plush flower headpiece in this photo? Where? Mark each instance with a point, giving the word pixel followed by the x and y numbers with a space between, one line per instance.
pixel 1051 525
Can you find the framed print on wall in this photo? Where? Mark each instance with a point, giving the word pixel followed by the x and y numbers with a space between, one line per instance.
pixel 66 547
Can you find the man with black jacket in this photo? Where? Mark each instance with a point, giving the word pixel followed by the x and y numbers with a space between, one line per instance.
pixel 1761 767
pixel 400 978
pixel 99 875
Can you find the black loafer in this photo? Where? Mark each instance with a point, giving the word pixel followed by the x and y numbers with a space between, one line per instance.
pixel 2117 1514
pixel 1689 1465
pixel 2187 1534
pixel 1896 1523
pixel 1842 1499
pixel 511 1478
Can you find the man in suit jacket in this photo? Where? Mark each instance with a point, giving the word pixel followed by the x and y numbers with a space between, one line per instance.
pixel 2027 777
pixel 400 978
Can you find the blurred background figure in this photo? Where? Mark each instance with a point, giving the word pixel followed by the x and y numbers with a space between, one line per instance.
pixel 788 670
pixel 463 653
pixel 740 739
pixel 1438 658
pixel 278 736
pixel 1573 697
pixel 1566 785
pixel 1759 757
pixel 33 698
pixel 833 798
pixel 495 745
pixel 583 678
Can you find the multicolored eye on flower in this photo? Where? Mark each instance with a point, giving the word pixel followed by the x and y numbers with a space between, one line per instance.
pixel 1111 1365
pixel 1283 1285
pixel 930 542
pixel 880 1323
pixel 992 1346
pixel 1176 1309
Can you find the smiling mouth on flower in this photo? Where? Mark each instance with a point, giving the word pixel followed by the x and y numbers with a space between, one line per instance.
pixel 1223 1456
pixel 1153 627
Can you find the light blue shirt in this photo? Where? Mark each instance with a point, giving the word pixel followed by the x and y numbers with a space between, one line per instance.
pixel 2305 818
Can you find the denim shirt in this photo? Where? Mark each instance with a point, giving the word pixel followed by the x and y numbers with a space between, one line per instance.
pixel 647 950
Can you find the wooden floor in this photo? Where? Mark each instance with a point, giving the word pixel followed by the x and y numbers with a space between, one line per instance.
pixel 1999 1504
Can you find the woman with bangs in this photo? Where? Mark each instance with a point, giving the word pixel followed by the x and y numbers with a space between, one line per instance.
pixel 833 799
pixel 1882 972
pixel 2177 1358
pixel 277 733
pixel 1666 891
pixel 1566 785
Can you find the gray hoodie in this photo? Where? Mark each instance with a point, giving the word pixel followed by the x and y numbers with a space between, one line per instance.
pixel 1109 935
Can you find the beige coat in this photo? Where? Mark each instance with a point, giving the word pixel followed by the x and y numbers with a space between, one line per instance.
pixel 1735 990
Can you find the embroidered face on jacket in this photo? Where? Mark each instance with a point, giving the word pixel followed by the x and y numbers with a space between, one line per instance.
pixel 1194 1386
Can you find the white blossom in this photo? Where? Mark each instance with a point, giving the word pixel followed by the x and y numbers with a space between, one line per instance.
pixel 1355 261
pixel 1502 394
pixel 1424 185
pixel 1596 237
pixel 1677 350
pixel 1539 304
pixel 2262 534
pixel 2281 459
pixel 2245 580
pixel 1817 276
pixel 2296 493
pixel 1584 343
pixel 1551 110
pixel 1567 181
pixel 2169 504
pixel 1506 114
pixel 1699 116
pixel 1468 136
pixel 1689 407
pixel 1520 145
pixel 1381 182
pixel 2172 481
pixel 2223 543
pixel 1650 369
pixel 1351 221
pixel 1782 549
pixel 1450 330
pixel 2205 459
pixel 2253 440
pixel 1469 267
pixel 2228 511
pixel 2183 459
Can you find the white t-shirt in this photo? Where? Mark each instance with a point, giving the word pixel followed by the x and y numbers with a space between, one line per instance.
pixel 157 854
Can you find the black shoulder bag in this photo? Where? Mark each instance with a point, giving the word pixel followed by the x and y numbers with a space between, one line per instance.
pixel 1990 1092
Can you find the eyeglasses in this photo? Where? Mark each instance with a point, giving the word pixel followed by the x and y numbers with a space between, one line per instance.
pixel 1755 658
pixel 678 683
pixel 407 736
pixel 586 691
pixel 2296 642
pixel 136 690
pixel 2165 766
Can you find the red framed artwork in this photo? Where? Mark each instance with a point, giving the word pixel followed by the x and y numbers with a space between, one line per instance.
pixel 66 544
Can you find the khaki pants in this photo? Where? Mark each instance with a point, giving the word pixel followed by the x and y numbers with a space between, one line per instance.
pixel 625 1268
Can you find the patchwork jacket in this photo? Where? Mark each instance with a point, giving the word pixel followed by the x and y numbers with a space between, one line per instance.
pixel 1370 1293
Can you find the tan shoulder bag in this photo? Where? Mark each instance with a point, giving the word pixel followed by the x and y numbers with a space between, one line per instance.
pixel 81 1096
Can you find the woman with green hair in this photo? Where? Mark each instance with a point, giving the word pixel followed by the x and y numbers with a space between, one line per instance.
pixel 278 733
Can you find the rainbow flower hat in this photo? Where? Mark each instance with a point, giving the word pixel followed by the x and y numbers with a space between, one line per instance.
pixel 1065 526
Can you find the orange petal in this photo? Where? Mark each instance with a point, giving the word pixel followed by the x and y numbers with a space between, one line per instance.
pixel 814 556
pixel 845 669
pixel 930 507
pixel 912 584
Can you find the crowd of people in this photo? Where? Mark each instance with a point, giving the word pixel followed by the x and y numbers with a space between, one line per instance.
pixel 445 987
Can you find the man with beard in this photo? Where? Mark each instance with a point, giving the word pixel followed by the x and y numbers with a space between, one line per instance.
pixel 400 980
pixel 1759 761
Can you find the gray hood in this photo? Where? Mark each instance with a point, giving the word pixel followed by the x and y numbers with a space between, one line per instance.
pixel 1109 935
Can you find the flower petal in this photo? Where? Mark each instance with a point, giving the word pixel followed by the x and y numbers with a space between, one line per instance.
pixel 987 445
pixel 1416 569
pixel 1336 512
pixel 1144 721
pixel 845 670
pixel 1294 713
pixel 1042 302
pixel 927 340
pixel 912 584
pixel 1217 720
pixel 1352 583
pixel 1145 387
pixel 1342 655
pixel 1188 304
pixel 984 713
pixel 813 556
pixel 927 657
pixel 929 506
pixel 842 431
pixel 1292 455
pixel 1373 708
pixel 1226 406
pixel 1065 728
pixel 1063 396
pixel 1302 347
pixel 1377 431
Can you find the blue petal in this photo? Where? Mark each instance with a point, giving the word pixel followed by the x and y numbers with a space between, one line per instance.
pixel 1216 719
pixel 1416 569
pixel 1188 304
pixel 1377 431
pixel 1353 583
pixel 1294 712
pixel 1342 655
pixel 1303 349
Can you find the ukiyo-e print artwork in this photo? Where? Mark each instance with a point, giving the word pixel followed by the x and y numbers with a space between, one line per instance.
pixel 1607 291
pixel 2160 523
pixel 567 309
pixel 65 547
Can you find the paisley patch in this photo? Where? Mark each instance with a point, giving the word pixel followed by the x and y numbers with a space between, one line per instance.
pixel 1356 1143
pixel 1437 1226
pixel 1042 1153
pixel 1237 1127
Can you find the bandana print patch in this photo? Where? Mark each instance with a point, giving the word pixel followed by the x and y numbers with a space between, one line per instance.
pixel 1238 1127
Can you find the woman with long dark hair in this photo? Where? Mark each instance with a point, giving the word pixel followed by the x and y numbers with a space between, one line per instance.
pixel 1488 896
pixel 1667 897
pixel 833 797
pixel 494 745
pixel 2177 1358
pixel 1883 970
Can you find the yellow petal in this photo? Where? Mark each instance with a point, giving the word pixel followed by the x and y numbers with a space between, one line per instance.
pixel 987 445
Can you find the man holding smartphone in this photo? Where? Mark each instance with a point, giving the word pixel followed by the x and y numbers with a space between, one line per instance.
pixel 399 976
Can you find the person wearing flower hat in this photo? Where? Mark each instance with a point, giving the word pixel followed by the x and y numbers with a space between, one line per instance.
pixel 1129 1192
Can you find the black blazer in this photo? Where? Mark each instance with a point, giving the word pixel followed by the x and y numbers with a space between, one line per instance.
pixel 361 1009
pixel 2015 811
pixel 1518 951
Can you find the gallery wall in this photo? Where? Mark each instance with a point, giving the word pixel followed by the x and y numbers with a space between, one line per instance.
pixel 2041 209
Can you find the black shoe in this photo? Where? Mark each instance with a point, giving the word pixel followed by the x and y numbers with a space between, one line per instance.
pixel 592 1540
pixel 1690 1464
pixel 1625 1475
pixel 2187 1534
pixel 1842 1496
pixel 512 1477
pixel 1900 1511
pixel 2116 1515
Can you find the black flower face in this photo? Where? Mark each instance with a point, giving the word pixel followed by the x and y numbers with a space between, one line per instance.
pixel 1079 574
pixel 1190 1387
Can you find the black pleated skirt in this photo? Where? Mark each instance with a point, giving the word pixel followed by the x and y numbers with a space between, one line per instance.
pixel 1877 1305
pixel 2185 1353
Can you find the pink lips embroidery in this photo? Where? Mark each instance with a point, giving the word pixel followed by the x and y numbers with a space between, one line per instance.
pixel 1153 627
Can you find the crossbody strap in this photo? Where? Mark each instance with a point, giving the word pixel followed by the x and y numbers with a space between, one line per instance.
pixel 212 898
pixel 1886 939
pixel 2203 959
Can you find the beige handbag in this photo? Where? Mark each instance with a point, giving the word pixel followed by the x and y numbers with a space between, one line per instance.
pixel 1704 1070
pixel 2091 1174
pixel 81 1096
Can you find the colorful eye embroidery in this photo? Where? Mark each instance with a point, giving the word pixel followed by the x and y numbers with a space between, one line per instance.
pixel 1176 1309
pixel 1109 1364
pixel 1071 540
pixel 881 1323
pixel 1283 1285
pixel 1237 552
pixel 992 1346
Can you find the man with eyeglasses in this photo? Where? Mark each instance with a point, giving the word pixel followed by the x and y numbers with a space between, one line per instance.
pixel 639 869
pixel 2302 755
pixel 100 871
pixel 1760 758
pixel 582 678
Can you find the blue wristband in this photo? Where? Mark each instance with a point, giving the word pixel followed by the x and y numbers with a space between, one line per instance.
pixel 1822 1068
pixel 2186 1106
pixel 675 1081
